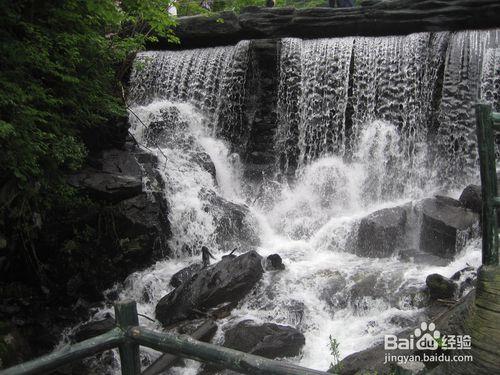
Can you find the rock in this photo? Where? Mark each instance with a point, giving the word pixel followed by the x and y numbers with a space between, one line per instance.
pixel 380 18
pixel 466 278
pixel 471 198
pixel 185 274
pixel 93 329
pixel 206 163
pixel 410 297
pixel 441 226
pixel 144 220
pixel 440 287
pixel 120 162
pixel 113 176
pixel 226 281
pixel 381 232
pixel 267 340
pixel 274 262
pixel 401 321
pixel 449 322
pixel 234 224
pixel 331 293
pixel 107 186
pixel 418 257
pixel 191 326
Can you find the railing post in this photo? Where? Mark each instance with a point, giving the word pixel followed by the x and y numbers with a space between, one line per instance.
pixel 486 146
pixel 126 316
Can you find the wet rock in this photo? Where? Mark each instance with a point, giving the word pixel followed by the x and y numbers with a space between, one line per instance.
pixel 410 297
pixel 206 163
pixel 471 198
pixel 93 329
pixel 440 287
pixel 466 278
pixel 268 340
pixel 169 130
pixel 401 321
pixel 113 176
pixel 374 18
pixel 226 281
pixel 120 162
pixel 185 274
pixel 222 310
pixel 442 223
pixel 144 222
pixel 274 262
pixel 418 257
pixel 192 326
pixel 331 292
pixel 234 224
pixel 107 186
pixel 381 232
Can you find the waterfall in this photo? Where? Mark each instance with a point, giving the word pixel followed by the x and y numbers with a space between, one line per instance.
pixel 464 73
pixel 362 124
pixel 424 84
pixel 211 79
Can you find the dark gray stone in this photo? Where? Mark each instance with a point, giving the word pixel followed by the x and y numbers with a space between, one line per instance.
pixel 185 274
pixel 441 223
pixel 441 287
pixel 93 329
pixel 471 198
pixel 108 186
pixel 381 233
pixel 267 340
pixel 380 18
pixel 234 224
pixel 274 262
pixel 226 281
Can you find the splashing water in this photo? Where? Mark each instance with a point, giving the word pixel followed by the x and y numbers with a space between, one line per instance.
pixel 355 117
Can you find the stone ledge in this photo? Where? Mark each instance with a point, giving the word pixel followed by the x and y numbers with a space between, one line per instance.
pixel 397 17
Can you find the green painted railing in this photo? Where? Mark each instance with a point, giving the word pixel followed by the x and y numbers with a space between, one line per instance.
pixel 128 336
pixel 487 123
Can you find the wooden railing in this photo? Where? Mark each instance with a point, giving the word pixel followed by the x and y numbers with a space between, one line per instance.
pixel 127 336
pixel 488 123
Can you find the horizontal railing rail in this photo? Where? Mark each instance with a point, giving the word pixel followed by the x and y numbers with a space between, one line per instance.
pixel 128 336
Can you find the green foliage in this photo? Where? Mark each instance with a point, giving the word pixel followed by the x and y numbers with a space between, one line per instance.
pixel 336 366
pixel 193 7
pixel 61 64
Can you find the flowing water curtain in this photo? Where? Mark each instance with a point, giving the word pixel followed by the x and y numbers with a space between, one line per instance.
pixel 394 80
pixel 230 112
pixel 323 101
pixel 192 75
pixel 288 106
pixel 490 78
pixel 455 141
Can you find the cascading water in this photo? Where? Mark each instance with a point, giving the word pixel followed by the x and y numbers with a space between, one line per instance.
pixel 463 77
pixel 355 117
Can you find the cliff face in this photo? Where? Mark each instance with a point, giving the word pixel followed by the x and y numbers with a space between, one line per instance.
pixel 397 17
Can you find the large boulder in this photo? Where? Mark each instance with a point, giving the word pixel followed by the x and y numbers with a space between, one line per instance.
pixel 234 224
pixel 185 274
pixel 107 186
pixel 471 198
pixel 442 224
pixel 93 329
pixel 143 223
pixel 381 232
pixel 441 287
pixel 113 176
pixel 227 281
pixel 267 340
